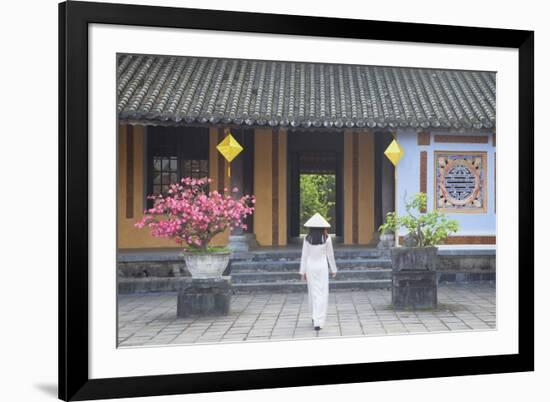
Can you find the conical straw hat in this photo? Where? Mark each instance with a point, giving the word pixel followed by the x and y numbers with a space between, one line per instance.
pixel 317 221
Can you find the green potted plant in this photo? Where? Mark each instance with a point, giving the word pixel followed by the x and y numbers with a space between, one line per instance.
pixel 192 215
pixel 414 264
pixel 425 230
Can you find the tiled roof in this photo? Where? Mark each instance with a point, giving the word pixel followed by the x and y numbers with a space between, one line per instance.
pixel 170 90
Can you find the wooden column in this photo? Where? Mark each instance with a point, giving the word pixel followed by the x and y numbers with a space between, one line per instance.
pixel 213 157
pixel 355 189
pixel 365 188
pixel 248 171
pixel 275 187
pixel 221 163
pixel 282 193
pixel 129 172
pixel 423 174
pixel 348 187
pixel 263 187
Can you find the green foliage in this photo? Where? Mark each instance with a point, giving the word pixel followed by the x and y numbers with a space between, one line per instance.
pixel 426 229
pixel 317 194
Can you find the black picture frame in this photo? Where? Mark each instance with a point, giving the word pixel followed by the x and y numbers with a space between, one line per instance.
pixel 74 18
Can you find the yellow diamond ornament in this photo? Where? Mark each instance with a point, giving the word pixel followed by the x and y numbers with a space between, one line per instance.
pixel 394 152
pixel 229 148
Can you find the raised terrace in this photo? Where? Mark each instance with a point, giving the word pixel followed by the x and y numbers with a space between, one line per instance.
pixel 275 269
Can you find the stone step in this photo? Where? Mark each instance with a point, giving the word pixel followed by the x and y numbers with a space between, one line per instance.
pixel 295 254
pixel 294 265
pixel 174 284
pixel 276 276
pixel 152 284
pixel 291 287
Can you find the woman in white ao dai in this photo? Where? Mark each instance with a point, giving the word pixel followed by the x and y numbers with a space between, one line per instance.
pixel 317 258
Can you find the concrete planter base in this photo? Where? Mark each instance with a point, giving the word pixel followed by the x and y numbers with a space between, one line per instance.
pixel 414 277
pixel 205 297
pixel 414 290
pixel 414 258
pixel 208 265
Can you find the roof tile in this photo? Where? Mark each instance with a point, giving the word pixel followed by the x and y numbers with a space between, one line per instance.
pixel 170 90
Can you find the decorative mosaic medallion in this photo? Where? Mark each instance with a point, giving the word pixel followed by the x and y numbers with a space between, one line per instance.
pixel 460 181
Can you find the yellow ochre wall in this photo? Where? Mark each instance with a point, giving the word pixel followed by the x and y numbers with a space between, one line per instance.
pixel 283 140
pixel 128 235
pixel 223 238
pixel 132 237
pixel 263 186
pixel 348 186
pixel 366 187
pixel 365 171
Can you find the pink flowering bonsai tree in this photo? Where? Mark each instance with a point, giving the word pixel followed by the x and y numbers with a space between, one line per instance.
pixel 192 215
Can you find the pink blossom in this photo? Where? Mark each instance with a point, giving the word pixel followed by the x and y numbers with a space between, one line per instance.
pixel 191 214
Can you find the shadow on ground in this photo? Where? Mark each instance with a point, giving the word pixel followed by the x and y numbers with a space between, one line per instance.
pixel 48 389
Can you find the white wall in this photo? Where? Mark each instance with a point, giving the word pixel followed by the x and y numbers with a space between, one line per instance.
pixel 408 178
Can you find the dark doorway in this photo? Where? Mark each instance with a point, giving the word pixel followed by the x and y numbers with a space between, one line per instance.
pixel 315 165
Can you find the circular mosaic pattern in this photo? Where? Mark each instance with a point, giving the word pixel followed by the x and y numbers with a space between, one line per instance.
pixel 460 183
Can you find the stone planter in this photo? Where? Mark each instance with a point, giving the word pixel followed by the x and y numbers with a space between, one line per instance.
pixel 386 241
pixel 208 265
pixel 205 297
pixel 208 292
pixel 414 277
pixel 414 258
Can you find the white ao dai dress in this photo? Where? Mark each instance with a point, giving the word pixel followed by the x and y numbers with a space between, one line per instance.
pixel 315 263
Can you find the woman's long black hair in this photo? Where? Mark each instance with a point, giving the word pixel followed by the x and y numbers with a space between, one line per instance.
pixel 317 236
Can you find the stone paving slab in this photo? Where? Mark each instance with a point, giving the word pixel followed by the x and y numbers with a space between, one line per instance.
pixel 150 319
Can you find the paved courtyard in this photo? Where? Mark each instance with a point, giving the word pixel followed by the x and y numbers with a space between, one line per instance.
pixel 150 319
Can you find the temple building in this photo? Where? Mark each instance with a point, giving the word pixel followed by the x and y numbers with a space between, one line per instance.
pixel 296 118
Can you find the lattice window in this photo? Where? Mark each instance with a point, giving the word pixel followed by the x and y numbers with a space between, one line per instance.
pixel 173 153
pixel 460 181
pixel 165 172
pixel 196 168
